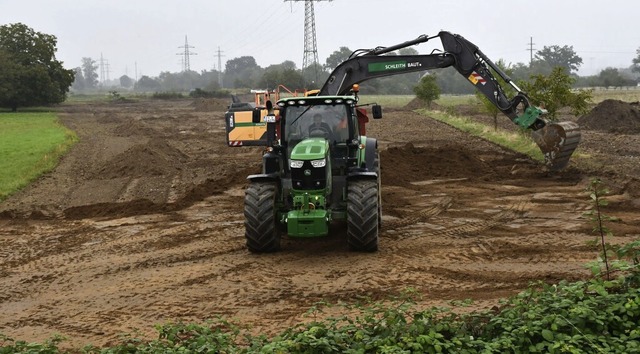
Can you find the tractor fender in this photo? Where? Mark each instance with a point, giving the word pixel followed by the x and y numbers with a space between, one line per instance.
pixel 361 174
pixel 264 177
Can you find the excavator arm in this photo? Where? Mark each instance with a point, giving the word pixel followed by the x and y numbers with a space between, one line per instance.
pixel 556 140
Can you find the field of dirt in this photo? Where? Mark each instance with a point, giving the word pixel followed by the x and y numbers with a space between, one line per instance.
pixel 142 223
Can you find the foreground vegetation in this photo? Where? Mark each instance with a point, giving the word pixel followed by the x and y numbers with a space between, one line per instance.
pixel 30 145
pixel 596 316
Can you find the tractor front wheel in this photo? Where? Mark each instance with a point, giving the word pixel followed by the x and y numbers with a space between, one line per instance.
pixel 261 231
pixel 362 215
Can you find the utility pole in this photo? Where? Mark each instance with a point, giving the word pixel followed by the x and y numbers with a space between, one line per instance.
pixel 530 49
pixel 310 44
pixel 186 66
pixel 219 55
pixel 102 69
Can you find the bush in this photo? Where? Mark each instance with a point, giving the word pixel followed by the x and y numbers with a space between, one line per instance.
pixel 200 93
pixel 167 95
pixel 427 90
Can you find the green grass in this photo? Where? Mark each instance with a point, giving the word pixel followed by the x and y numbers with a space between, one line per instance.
pixel 515 141
pixel 622 95
pixel 387 100
pixel 31 144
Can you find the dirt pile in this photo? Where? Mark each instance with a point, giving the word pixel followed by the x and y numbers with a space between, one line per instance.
pixel 211 104
pixel 424 163
pixel 417 104
pixel 613 116
pixel 155 158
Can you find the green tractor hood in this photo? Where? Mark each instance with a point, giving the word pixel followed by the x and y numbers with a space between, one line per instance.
pixel 310 149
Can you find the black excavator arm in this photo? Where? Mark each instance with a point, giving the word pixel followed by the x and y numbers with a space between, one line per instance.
pixel 556 140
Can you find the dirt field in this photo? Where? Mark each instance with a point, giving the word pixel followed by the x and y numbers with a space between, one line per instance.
pixel 142 224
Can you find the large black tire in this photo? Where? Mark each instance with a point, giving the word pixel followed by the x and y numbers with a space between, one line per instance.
pixel 362 215
pixel 261 231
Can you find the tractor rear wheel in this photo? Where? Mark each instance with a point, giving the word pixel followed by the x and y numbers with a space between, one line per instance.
pixel 260 217
pixel 362 215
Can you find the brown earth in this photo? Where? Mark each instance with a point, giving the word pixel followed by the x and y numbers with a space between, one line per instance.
pixel 142 223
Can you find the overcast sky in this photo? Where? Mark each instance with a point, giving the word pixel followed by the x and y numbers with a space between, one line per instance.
pixel 147 34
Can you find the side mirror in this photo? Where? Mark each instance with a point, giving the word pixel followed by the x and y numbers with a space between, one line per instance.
pixel 271 129
pixel 376 111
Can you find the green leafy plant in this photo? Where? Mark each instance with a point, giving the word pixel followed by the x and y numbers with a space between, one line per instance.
pixel 597 192
pixel 427 90
pixel 555 91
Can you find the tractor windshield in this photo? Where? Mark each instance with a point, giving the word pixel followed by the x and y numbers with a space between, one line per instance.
pixel 327 121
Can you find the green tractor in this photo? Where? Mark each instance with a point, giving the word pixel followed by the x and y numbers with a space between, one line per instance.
pixel 319 167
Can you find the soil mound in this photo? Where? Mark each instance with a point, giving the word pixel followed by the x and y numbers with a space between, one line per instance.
pixel 613 116
pixel 211 104
pixel 416 103
pixel 408 163
pixel 155 158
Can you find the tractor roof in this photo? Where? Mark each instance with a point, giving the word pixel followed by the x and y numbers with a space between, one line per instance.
pixel 316 100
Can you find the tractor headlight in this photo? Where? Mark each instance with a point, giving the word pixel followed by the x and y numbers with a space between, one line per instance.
pixel 296 163
pixel 319 163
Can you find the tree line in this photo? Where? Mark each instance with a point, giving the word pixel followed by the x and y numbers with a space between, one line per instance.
pixel 30 75
pixel 244 72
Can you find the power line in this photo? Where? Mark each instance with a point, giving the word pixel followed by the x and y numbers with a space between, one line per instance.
pixel 530 49
pixel 219 55
pixel 186 66
pixel 310 55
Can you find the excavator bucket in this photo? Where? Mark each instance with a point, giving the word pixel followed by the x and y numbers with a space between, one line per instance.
pixel 557 142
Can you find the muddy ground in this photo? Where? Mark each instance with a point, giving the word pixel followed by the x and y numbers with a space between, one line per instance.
pixel 142 224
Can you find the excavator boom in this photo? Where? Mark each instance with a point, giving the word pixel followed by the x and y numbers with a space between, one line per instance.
pixel 557 141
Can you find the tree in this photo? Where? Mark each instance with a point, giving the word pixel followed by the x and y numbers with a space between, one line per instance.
pixel 554 91
pixel 31 75
pixel 564 57
pixel 78 79
pixel 427 90
pixel 336 58
pixel 612 77
pixel 147 84
pixel 487 104
pixel 636 62
pixel 89 73
pixel 284 73
pixel 126 81
pixel 242 72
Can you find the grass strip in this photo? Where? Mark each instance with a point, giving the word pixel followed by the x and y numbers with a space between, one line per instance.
pixel 31 144
pixel 518 142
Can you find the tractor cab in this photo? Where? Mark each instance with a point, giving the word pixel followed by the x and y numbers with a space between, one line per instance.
pixel 319 120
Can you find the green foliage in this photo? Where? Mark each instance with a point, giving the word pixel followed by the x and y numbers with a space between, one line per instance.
pixel 29 73
pixel 89 73
pixel 337 57
pixel 241 72
pixel 451 82
pixel 563 57
pixel 636 62
pixel 167 95
pixel 597 193
pixel 147 84
pixel 513 141
pixel 200 93
pixel 281 74
pixel 624 259
pixel 554 92
pixel 585 316
pixel 10 346
pixel 427 89
pixel 487 104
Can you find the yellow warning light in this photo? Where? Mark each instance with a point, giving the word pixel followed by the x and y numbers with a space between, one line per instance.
pixel 356 88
